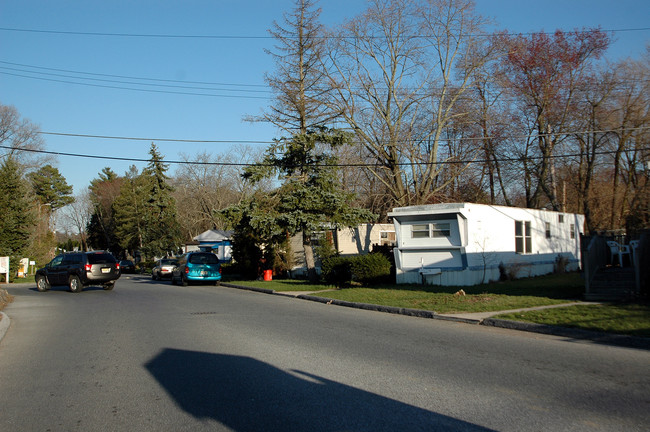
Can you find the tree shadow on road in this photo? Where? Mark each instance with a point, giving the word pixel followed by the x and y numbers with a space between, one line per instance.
pixel 245 394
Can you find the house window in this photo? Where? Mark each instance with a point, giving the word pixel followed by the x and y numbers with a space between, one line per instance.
pixel 548 229
pixel 435 230
pixel 420 231
pixel 523 241
pixel 560 218
pixel 572 231
pixel 387 237
pixel 440 230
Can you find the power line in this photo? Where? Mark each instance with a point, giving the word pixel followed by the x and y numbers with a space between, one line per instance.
pixel 136 89
pixel 339 165
pixel 156 139
pixel 128 77
pixel 191 36
pixel 529 136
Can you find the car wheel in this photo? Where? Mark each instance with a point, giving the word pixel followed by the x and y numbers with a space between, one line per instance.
pixel 153 276
pixel 183 281
pixel 109 286
pixel 41 284
pixel 75 284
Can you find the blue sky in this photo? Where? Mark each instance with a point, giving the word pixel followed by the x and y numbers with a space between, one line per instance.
pixel 238 63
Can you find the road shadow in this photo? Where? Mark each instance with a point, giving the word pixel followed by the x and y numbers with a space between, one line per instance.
pixel 245 394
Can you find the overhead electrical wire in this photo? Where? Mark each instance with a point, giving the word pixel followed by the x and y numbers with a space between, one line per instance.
pixel 530 136
pixel 198 36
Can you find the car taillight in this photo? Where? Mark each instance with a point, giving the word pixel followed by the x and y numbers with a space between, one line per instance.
pixel 187 270
pixel 117 266
pixel 219 269
pixel 88 267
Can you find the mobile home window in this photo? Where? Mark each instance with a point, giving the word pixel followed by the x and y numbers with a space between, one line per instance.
pixel 440 230
pixel 523 241
pixel 420 231
pixel 560 218
pixel 572 231
pixel 548 229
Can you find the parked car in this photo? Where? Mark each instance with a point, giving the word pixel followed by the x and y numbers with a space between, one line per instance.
pixel 197 267
pixel 163 268
pixel 127 266
pixel 78 270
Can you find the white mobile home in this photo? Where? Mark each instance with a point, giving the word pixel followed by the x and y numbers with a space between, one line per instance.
pixel 464 244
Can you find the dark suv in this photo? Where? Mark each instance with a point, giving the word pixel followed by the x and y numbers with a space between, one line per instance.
pixel 79 269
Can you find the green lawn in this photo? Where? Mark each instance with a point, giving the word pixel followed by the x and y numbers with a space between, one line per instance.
pixel 541 291
pixel 629 319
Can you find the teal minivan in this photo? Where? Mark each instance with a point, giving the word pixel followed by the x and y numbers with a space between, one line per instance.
pixel 197 267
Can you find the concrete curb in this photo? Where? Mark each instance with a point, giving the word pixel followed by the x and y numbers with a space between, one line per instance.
pixel 572 333
pixel 5 322
pixel 579 334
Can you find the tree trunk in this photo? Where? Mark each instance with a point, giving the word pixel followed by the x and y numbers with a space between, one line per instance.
pixel 310 262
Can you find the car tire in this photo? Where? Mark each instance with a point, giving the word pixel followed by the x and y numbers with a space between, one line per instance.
pixel 109 286
pixel 153 276
pixel 183 281
pixel 41 284
pixel 75 284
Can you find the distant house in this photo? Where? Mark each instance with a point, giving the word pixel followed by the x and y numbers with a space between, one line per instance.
pixel 216 241
pixel 347 241
pixel 464 244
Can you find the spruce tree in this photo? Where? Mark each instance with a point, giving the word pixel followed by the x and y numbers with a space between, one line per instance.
pixel 17 220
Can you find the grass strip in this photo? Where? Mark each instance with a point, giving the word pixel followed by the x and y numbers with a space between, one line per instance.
pixel 629 319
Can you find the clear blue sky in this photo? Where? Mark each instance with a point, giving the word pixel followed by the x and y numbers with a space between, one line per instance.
pixel 106 108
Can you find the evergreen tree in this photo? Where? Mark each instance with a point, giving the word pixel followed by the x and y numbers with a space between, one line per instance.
pixel 128 212
pixel 162 233
pixel 50 187
pixel 17 220
pixel 101 227
pixel 311 197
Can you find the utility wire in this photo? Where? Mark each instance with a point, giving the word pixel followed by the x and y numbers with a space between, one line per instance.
pixel 244 37
pixel 530 136
pixel 339 165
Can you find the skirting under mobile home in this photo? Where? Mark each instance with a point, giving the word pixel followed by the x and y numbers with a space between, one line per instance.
pixel 463 244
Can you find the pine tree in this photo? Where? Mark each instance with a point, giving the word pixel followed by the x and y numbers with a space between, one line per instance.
pixel 17 220
pixel 161 230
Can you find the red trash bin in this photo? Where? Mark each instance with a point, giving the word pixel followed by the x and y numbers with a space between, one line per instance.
pixel 268 275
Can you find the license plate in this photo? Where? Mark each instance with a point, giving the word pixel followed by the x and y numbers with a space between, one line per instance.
pixel 204 273
pixel 106 270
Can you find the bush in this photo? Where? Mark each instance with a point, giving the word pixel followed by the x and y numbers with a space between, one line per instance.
pixel 336 270
pixel 366 269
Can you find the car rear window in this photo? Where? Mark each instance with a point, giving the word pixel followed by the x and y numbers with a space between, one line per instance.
pixel 168 262
pixel 101 258
pixel 206 258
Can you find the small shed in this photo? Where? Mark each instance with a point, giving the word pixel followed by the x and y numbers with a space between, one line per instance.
pixel 464 244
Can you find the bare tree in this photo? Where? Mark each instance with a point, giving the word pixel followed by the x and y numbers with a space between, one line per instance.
pixel 75 217
pixel 207 183
pixel 543 73
pixel 399 71
pixel 20 138
pixel 298 82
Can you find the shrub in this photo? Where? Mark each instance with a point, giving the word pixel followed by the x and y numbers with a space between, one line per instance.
pixel 336 270
pixel 366 269
pixel 371 268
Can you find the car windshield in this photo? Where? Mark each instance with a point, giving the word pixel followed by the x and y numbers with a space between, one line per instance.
pixel 100 258
pixel 206 258
pixel 168 262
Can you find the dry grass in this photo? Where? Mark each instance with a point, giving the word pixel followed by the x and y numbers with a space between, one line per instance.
pixel 5 299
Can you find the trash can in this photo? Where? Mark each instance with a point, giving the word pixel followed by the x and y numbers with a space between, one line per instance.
pixel 268 275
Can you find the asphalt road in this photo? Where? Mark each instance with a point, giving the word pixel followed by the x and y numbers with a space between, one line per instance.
pixel 149 356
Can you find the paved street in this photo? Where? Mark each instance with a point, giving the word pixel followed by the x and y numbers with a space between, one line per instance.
pixel 149 356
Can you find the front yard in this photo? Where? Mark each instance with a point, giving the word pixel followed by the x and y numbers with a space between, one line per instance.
pixel 632 319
